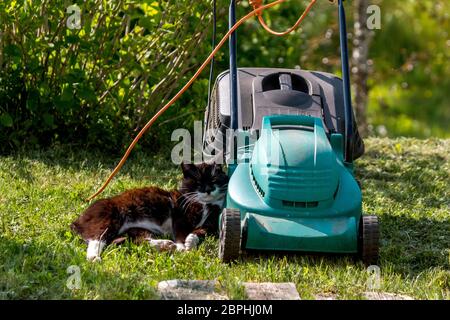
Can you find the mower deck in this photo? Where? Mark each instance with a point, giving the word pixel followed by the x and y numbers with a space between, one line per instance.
pixel 332 228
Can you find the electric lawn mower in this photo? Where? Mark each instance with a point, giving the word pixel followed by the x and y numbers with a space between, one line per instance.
pixel 291 182
pixel 304 199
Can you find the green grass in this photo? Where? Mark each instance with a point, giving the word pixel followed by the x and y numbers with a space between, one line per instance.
pixel 405 182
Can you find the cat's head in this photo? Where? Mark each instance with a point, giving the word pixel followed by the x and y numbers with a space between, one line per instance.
pixel 205 183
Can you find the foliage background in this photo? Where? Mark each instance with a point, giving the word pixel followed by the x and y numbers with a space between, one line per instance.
pixel 96 86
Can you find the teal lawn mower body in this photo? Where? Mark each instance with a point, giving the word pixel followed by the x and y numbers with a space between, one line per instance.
pixel 296 193
pixel 292 187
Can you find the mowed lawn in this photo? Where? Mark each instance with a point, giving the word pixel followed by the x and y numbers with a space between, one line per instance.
pixel 406 182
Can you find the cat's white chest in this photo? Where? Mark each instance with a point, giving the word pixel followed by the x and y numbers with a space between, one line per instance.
pixel 205 214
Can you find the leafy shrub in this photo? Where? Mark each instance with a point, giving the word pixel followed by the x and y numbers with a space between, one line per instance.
pixel 98 84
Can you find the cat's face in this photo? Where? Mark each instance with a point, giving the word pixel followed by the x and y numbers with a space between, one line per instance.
pixel 205 183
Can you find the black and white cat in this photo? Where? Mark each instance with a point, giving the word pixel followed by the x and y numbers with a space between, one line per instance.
pixel 184 215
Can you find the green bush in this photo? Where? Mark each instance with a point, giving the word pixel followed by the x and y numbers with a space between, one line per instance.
pixel 98 84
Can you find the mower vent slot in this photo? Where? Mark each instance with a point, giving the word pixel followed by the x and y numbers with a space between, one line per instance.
pixel 336 192
pixel 293 127
pixel 297 204
pixel 258 187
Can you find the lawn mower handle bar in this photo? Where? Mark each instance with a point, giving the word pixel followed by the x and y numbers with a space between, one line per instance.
pixel 345 77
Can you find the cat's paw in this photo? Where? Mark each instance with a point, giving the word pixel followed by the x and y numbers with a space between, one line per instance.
pixel 191 242
pixel 163 245
pixel 180 246
pixel 94 250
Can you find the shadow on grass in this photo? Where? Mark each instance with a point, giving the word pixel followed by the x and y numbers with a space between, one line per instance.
pixel 412 189
pixel 418 176
pixel 412 246
pixel 310 258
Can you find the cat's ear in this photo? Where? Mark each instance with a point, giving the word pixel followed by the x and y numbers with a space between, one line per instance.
pixel 189 170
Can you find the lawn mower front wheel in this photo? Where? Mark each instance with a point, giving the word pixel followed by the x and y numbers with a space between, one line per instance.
pixel 230 235
pixel 369 238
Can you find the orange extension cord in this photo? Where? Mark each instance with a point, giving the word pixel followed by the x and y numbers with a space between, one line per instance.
pixel 258 3
pixel 258 8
